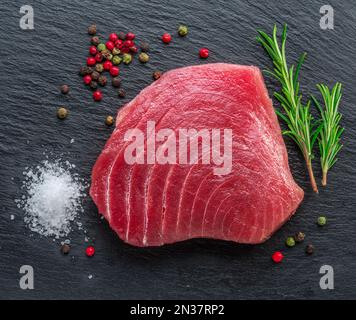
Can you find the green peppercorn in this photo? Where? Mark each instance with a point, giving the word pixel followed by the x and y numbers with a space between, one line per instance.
pixel 92 29
pixel 102 80
pixel 116 51
pixel 121 93
pixel 116 82
pixel 62 113
pixel 144 47
pixel 109 121
pixel 95 41
pixel 182 30
pixel 321 221
pixel 309 249
pixel 99 67
pixel 290 242
pixel 64 89
pixel 93 85
pixel 127 58
pixel 156 75
pixel 143 57
pixel 106 54
pixel 101 47
pixel 85 70
pixel 95 75
pixel 121 35
pixel 116 60
pixel 299 237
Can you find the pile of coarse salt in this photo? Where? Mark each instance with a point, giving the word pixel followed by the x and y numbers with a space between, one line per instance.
pixel 52 198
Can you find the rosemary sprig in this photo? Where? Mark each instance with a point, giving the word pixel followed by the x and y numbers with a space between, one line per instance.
pixel 297 116
pixel 329 136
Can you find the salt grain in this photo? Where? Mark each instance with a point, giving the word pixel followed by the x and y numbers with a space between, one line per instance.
pixel 53 198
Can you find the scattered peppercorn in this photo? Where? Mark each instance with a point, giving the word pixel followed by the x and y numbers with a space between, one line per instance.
pixel 101 47
pixel 87 79
pixel 93 51
pixel 166 38
pixel 290 242
pixel 95 40
pixel 91 61
pixel 116 82
pixel 309 249
pixel 99 68
pixel 97 95
pixel 110 45
pixel 107 54
pixel 85 70
pixel 116 60
pixel 127 58
pixel 299 237
pixel 113 37
pixel 121 93
pixel 156 75
pixel 95 75
pixel 93 85
pixel 128 43
pixel 90 251
pixel 92 29
pixel 102 80
pixel 144 47
pixel 114 71
pixel 116 51
pixel 277 257
pixel 65 248
pixel 130 36
pixel 143 57
pixel 204 53
pixel 109 120
pixel 133 49
pixel 62 113
pixel 99 57
pixel 121 35
pixel 64 89
pixel 182 30
pixel 322 221
pixel 107 65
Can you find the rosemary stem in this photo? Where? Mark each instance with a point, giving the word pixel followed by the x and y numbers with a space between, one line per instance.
pixel 325 178
pixel 311 176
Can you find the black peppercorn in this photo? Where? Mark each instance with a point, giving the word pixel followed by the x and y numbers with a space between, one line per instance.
pixel 95 75
pixel 156 75
pixel 93 85
pixel 299 237
pixel 92 29
pixel 116 82
pixel 102 80
pixel 64 89
pixel 144 47
pixel 65 249
pixel 309 249
pixel 85 70
pixel 95 41
pixel 121 35
pixel 121 93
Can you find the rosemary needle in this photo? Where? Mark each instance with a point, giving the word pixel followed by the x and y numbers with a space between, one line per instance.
pixel 329 136
pixel 297 116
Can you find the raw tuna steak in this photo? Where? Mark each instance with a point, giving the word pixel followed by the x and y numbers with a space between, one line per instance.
pixel 150 202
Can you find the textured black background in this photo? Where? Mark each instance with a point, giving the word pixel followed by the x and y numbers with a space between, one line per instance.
pixel 34 64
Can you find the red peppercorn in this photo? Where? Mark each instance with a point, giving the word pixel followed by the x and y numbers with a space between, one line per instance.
pixel 129 43
pixel 97 95
pixel 133 49
pixel 113 37
pixel 90 251
pixel 87 79
pixel 204 53
pixel 110 45
pixel 91 61
pixel 98 57
pixel 118 43
pixel 125 50
pixel 130 36
pixel 107 65
pixel 166 38
pixel 277 257
pixel 93 50
pixel 114 71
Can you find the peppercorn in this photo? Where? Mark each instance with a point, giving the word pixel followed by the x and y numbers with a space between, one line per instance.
pixel 109 120
pixel 166 38
pixel 91 61
pixel 116 82
pixel 65 248
pixel 106 55
pixel 143 57
pixel 95 41
pixel 130 36
pixel 107 65
pixel 101 47
pixel 97 95
pixel 128 43
pixel 116 51
pixel 116 60
pixel 93 51
pixel 85 70
pixel 290 242
pixel 309 249
pixel 90 251
pixel 121 35
pixel 299 237
pixel 93 85
pixel 110 45
pixel 204 53
pixel 62 113
pixel 277 257
pixel 182 30
pixel 127 58
pixel 87 79
pixel 99 67
pixel 64 89
pixel 92 29
pixel 321 221
pixel 121 93
pixel 156 75
pixel 114 71
pixel 113 37
pixel 95 75
pixel 102 80
pixel 133 49
pixel 99 57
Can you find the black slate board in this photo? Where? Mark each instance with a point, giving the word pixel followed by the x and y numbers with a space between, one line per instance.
pixel 34 64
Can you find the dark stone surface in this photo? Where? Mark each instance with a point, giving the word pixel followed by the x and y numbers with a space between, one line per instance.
pixel 35 63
